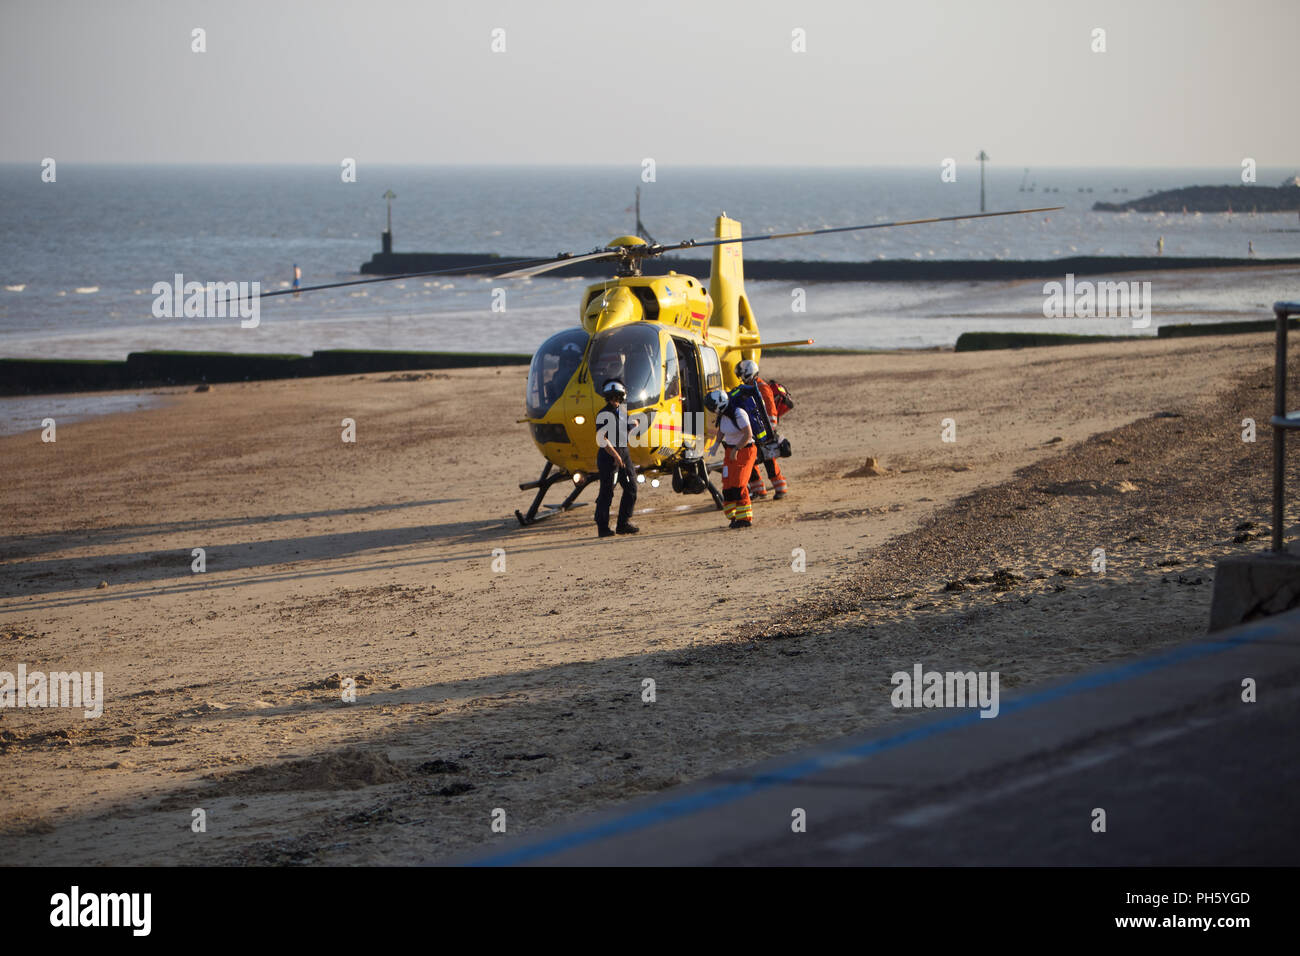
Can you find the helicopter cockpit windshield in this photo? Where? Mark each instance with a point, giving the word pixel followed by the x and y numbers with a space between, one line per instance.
pixel 630 353
pixel 553 366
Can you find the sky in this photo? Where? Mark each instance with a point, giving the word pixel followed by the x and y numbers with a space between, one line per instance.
pixel 702 83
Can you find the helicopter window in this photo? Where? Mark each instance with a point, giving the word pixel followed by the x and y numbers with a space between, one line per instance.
pixel 672 385
pixel 629 353
pixel 712 369
pixel 553 365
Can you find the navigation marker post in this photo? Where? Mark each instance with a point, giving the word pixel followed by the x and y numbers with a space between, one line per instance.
pixel 387 237
pixel 983 158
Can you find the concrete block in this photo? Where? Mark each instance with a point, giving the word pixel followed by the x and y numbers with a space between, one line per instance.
pixel 1252 586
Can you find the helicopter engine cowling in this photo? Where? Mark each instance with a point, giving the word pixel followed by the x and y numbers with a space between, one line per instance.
pixel 673 299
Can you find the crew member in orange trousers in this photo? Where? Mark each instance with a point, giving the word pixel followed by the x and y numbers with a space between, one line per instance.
pixel 747 372
pixel 736 434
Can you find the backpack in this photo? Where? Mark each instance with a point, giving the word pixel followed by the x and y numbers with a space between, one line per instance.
pixel 782 398
pixel 752 403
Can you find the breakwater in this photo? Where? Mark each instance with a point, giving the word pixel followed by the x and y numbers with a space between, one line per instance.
pixel 884 270
pixel 151 369
pixel 982 341
pixel 1238 199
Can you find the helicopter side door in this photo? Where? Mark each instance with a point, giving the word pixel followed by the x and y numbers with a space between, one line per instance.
pixel 692 379
pixel 707 375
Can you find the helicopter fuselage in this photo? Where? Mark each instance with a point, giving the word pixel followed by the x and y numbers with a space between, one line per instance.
pixel 668 339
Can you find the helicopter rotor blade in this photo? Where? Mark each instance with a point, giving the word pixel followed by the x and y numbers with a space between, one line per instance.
pixel 559 263
pixel 695 244
pixel 526 268
pixel 655 250
pixel 462 270
pixel 537 268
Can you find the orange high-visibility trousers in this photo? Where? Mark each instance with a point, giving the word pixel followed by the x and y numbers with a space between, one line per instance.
pixel 756 487
pixel 737 466
pixel 774 472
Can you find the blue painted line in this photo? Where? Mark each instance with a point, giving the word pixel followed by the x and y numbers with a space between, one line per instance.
pixel 677 807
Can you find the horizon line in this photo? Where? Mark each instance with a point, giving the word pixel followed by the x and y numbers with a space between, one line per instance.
pixel 1236 168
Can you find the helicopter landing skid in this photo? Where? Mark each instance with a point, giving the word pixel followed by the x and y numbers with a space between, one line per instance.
pixel 709 471
pixel 717 495
pixel 699 480
pixel 543 485
pixel 549 478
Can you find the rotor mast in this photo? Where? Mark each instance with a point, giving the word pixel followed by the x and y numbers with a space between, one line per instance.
pixel 641 230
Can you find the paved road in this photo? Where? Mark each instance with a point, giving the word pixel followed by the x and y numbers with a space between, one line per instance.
pixel 1186 772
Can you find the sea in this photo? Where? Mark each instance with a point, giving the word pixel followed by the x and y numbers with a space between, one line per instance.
pixel 79 257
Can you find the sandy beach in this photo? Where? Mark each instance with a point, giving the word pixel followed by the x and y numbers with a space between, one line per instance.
pixel 523 689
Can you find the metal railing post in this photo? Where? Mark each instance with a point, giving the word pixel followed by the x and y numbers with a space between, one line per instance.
pixel 1279 432
pixel 1282 311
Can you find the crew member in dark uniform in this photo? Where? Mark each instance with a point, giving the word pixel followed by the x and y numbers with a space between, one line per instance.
pixel 614 461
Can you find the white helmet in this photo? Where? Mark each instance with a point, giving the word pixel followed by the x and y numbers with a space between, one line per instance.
pixel 747 370
pixel 716 400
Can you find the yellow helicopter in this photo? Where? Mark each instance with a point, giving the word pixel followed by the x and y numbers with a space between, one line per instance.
pixel 670 340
